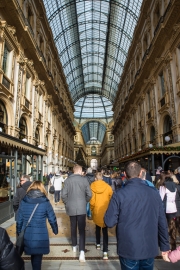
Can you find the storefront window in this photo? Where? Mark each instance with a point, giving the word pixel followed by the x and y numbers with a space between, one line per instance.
pixel 7 179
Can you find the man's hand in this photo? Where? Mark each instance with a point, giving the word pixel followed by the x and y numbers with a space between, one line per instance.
pixel 165 255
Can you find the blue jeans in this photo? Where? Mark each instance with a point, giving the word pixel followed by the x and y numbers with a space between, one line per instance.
pixel 128 264
pixel 36 261
pixel 88 210
pixel 57 196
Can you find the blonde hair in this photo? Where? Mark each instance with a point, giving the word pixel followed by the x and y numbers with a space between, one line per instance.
pixel 99 176
pixel 77 168
pixel 37 185
pixel 114 175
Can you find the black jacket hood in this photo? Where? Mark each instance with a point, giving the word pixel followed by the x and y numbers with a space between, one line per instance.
pixel 26 185
pixel 170 186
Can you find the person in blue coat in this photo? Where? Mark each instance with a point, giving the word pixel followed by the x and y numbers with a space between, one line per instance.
pixel 137 211
pixel 36 238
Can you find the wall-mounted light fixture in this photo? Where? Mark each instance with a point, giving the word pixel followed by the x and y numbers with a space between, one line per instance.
pixel 150 145
pixel 167 138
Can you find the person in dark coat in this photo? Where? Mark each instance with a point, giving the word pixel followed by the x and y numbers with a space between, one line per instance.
pixel 9 258
pixel 138 212
pixel 148 177
pixel 178 174
pixel 116 181
pixel 91 178
pixel 46 181
pixel 107 177
pixel 21 192
pixel 177 220
pixel 36 238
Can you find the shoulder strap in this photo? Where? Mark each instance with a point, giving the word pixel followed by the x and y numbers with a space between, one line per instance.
pixel 32 214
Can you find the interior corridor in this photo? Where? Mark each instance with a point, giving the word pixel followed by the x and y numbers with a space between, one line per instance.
pixel 61 256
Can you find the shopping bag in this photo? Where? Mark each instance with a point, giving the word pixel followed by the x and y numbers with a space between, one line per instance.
pixel 20 243
pixel 51 189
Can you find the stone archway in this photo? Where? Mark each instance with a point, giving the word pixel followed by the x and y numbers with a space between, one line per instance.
pixel 9 111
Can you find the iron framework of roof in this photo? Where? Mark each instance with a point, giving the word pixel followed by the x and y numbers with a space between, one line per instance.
pixel 93 39
pixel 93 132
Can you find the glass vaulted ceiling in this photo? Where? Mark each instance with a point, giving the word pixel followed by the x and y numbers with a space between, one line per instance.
pixel 92 38
pixel 93 106
pixel 93 132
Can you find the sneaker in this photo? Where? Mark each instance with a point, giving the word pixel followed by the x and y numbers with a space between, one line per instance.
pixel 82 256
pixel 74 249
pixel 105 256
pixel 98 246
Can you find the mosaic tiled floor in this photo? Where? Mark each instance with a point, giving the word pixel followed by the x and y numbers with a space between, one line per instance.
pixel 61 256
pixel 64 252
pixel 64 225
pixel 60 247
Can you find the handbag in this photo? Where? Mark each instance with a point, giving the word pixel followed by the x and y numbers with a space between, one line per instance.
pixel 52 189
pixel 20 238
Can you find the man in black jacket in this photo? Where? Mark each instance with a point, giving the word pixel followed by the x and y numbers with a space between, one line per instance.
pixel 137 211
pixel 21 192
pixel 9 258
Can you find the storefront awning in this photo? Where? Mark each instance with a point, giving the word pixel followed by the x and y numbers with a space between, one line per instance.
pixel 11 141
pixel 168 150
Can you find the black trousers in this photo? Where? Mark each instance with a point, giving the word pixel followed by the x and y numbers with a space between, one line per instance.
pixel 105 237
pixel 36 261
pixel 80 222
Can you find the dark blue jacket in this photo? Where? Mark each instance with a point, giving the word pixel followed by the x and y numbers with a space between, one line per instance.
pixel 107 179
pixel 141 223
pixel 36 238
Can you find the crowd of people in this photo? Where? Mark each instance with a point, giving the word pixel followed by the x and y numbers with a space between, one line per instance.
pixel 146 214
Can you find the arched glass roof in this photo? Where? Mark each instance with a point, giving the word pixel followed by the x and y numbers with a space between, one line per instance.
pixel 93 106
pixel 93 131
pixel 93 38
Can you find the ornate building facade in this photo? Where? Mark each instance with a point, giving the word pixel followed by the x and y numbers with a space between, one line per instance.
pixel 146 109
pixel 36 109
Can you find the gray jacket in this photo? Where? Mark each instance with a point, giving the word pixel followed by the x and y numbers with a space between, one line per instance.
pixel 75 194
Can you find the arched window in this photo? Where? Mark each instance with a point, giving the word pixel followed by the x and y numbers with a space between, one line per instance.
pixel 142 141
pixel 152 134
pixel 46 142
pixel 3 117
pixel 167 124
pixel 130 148
pixel 157 15
pixel 37 137
pixel 135 145
pixel 145 43
pixel 53 146
pixel 93 150
pixel 167 131
pixel 30 17
pixel 41 44
pixel 23 128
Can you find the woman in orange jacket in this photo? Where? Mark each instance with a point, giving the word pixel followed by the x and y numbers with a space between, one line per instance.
pixel 101 195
